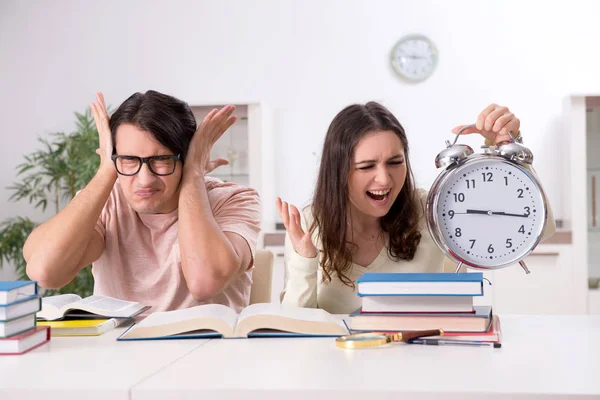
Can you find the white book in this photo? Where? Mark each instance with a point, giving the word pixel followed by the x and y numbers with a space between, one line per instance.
pixel 17 325
pixel 15 291
pixel 419 304
pixel 420 284
pixel 72 305
pixel 262 319
pixel 25 341
pixel 19 309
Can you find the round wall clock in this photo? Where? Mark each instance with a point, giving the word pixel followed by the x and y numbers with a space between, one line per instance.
pixel 414 58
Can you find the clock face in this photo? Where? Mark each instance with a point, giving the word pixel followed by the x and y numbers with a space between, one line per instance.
pixel 414 58
pixel 490 212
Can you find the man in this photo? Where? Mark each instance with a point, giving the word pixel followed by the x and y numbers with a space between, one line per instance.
pixel 157 230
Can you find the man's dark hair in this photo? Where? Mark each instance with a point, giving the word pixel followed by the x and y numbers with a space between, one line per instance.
pixel 169 120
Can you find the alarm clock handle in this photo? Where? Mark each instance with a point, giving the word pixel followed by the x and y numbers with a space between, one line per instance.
pixel 461 131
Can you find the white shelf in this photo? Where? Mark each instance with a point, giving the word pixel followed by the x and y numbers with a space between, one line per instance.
pixel 575 200
pixel 594 301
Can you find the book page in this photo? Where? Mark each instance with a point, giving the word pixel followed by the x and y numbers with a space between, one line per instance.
pixel 209 316
pixel 53 306
pixel 103 305
pixel 290 319
pixel 299 313
pixel 204 311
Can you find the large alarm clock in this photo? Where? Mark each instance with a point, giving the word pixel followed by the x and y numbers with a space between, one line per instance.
pixel 486 210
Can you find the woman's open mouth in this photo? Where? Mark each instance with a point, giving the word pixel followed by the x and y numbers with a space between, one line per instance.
pixel 379 196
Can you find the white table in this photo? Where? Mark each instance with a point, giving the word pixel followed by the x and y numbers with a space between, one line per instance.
pixel 553 357
pixel 546 356
pixel 96 367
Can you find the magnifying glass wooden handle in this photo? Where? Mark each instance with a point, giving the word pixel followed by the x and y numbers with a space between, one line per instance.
pixel 404 336
pixel 373 339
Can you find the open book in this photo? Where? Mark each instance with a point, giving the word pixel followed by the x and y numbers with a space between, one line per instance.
pixel 256 320
pixel 71 305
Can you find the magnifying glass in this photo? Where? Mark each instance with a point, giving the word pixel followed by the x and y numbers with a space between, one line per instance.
pixel 374 339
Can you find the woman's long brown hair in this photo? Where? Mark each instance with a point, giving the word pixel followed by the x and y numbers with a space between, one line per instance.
pixel 330 201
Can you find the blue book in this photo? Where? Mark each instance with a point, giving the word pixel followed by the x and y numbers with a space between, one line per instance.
pixel 17 309
pixel 420 284
pixel 14 291
pixel 17 325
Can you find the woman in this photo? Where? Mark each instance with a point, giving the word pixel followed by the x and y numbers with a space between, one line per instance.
pixel 366 214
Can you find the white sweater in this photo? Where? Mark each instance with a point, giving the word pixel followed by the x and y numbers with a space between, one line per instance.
pixel 303 282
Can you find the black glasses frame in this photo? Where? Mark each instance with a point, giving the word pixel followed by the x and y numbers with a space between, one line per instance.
pixel 146 160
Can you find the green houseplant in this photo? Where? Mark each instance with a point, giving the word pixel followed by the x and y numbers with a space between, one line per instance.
pixel 51 176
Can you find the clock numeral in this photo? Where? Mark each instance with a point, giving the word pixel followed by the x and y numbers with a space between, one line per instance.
pixel 527 211
pixel 506 181
pixel 451 214
pixel 487 176
pixel 490 249
pixel 470 183
pixel 520 191
pixel 472 243
pixel 508 243
pixel 457 232
pixel 460 197
pixel 522 229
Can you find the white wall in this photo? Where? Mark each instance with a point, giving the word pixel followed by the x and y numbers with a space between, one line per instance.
pixel 307 60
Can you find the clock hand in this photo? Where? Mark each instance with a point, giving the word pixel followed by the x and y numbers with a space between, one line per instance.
pixel 469 211
pixel 510 214
pixel 479 212
pixel 413 57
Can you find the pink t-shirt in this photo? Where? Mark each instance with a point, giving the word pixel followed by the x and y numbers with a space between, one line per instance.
pixel 141 260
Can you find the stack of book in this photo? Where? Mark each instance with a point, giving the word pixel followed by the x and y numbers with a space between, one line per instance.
pixel 19 303
pixel 415 301
pixel 71 315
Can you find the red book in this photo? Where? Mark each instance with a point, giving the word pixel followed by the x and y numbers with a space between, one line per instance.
pixel 493 334
pixel 24 341
pixel 477 321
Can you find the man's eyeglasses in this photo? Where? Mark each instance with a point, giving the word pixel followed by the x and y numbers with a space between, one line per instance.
pixel 158 165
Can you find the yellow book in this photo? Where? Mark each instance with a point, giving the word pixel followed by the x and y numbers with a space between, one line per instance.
pixel 82 327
